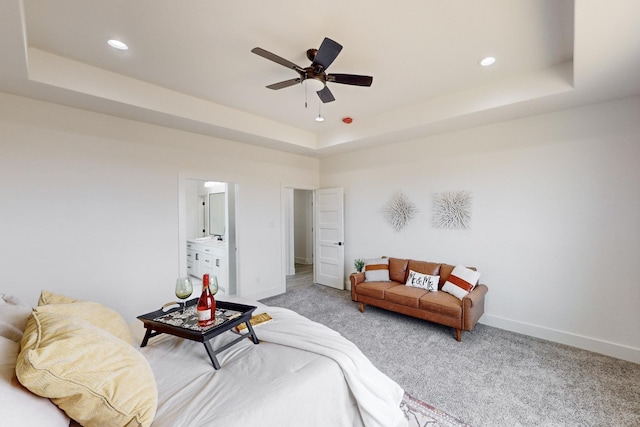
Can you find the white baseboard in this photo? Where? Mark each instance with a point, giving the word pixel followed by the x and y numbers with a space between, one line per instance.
pixel 586 343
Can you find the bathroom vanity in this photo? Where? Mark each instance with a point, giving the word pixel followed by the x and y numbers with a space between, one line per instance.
pixel 207 255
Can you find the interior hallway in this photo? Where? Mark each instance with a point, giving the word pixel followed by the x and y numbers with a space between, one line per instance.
pixel 303 276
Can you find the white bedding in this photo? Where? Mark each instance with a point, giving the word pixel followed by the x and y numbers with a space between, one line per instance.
pixel 301 374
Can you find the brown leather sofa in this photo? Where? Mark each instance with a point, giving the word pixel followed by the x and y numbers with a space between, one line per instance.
pixel 439 307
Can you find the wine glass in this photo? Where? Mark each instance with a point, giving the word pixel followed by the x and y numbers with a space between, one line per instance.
pixel 213 285
pixel 184 288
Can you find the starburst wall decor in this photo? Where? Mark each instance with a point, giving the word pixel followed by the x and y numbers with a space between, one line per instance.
pixel 399 211
pixel 452 210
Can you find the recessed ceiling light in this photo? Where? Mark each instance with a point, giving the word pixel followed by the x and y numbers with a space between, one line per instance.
pixel 487 61
pixel 117 44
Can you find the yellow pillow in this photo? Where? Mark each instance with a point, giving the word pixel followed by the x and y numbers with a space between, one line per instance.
pixel 96 378
pixel 47 297
pixel 94 313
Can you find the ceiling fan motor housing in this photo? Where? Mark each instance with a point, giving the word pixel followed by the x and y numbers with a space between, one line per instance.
pixel 311 54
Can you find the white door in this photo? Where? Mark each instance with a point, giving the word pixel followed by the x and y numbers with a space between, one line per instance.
pixel 328 267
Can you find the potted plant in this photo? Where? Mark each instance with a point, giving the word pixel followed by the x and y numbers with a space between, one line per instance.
pixel 359 265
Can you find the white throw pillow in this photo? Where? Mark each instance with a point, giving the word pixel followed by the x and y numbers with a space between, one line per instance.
pixel 461 281
pixel 424 281
pixel 376 270
pixel 19 406
pixel 13 317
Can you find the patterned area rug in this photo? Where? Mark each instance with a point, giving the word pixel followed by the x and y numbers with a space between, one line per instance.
pixel 421 414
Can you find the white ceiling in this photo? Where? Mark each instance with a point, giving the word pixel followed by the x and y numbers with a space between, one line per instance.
pixel 189 65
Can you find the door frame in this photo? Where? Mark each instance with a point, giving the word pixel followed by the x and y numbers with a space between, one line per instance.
pixel 285 221
pixel 286 208
pixel 182 226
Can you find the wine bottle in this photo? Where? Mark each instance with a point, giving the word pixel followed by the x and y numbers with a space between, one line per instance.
pixel 206 304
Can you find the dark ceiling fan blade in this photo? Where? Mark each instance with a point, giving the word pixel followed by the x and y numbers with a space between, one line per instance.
pixel 284 84
pixel 350 79
pixel 325 95
pixel 275 58
pixel 327 53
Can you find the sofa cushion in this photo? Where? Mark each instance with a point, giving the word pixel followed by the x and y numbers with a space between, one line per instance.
pixel 376 270
pixel 424 281
pixel 445 271
pixel 423 267
pixel 441 303
pixel 398 269
pixel 461 281
pixel 375 289
pixel 404 295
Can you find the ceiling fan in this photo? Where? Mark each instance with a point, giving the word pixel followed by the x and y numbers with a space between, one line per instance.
pixel 314 76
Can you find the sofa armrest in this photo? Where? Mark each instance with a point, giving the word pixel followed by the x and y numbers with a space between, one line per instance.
pixel 355 279
pixel 473 307
pixel 476 295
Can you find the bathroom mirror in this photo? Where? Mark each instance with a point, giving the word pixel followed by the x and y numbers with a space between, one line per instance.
pixel 217 214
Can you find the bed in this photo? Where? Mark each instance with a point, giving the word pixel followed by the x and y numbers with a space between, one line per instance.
pixel 301 373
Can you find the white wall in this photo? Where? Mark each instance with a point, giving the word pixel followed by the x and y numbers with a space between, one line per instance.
pixel 89 205
pixel 555 218
pixel 89 208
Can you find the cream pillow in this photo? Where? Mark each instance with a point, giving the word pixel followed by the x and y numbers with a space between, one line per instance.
pixel 96 314
pixel 96 378
pixel 47 297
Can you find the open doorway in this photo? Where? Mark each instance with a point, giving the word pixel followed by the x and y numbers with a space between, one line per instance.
pixel 321 225
pixel 299 238
pixel 207 232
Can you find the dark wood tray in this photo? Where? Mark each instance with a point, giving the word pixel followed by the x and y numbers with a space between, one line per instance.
pixel 203 335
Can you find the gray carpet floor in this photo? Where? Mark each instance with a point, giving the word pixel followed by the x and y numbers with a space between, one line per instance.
pixel 492 378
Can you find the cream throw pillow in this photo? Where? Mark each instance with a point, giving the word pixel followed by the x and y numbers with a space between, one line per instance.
pixel 96 314
pixel 96 378
pixel 47 297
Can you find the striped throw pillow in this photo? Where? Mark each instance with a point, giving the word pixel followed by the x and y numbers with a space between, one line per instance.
pixel 376 270
pixel 461 281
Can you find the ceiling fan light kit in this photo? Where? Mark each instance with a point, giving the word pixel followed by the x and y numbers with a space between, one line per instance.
pixel 117 44
pixel 314 76
pixel 489 60
pixel 314 84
